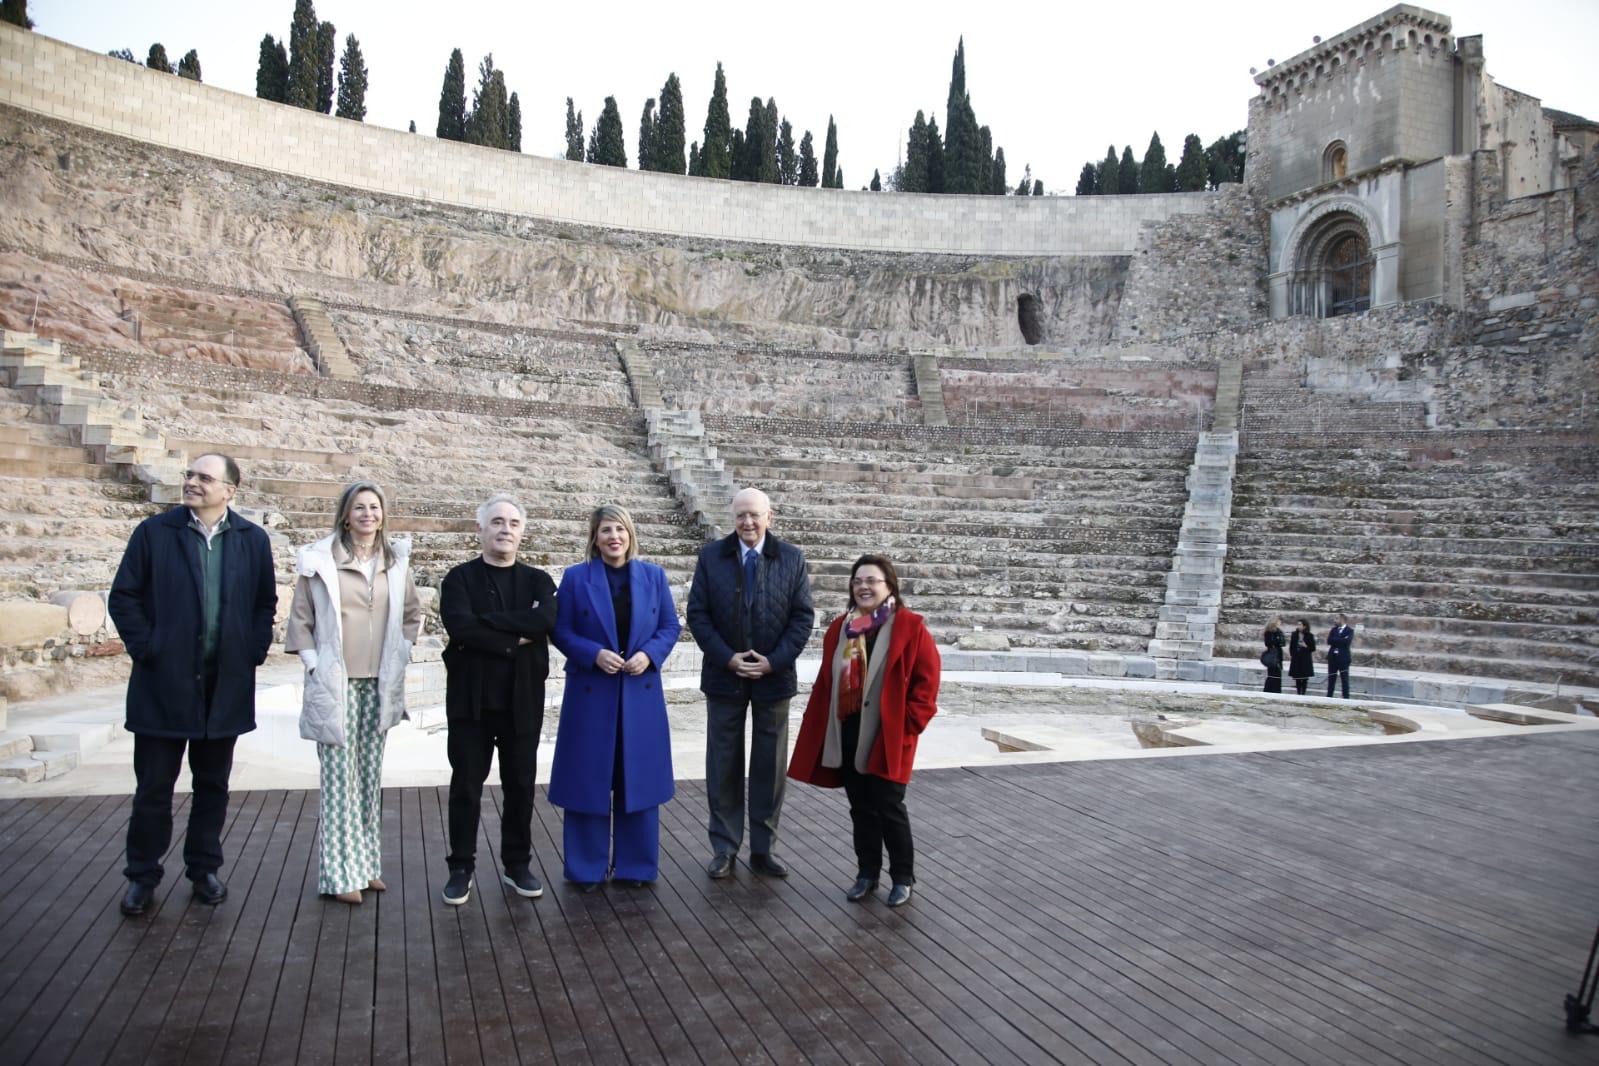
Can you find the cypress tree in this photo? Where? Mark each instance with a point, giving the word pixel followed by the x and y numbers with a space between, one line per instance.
pixel 413 126
pixel 513 124
pixel 996 178
pixel 610 143
pixel 16 13
pixel 1025 186
pixel 452 100
pixel 1224 159
pixel 1192 173
pixel 1152 172
pixel 715 150
pixel 694 159
pixel 1038 187
pixel 157 60
pixel 1085 181
pixel 352 81
pixel 985 159
pixel 592 154
pixel 787 154
pixel 738 165
pixel 670 128
pixel 935 157
pixel 327 53
pixel 1127 173
pixel 830 156
pixel 487 124
pixel 124 54
pixel 302 56
pixel 1108 174
pixel 807 162
pixel 914 176
pixel 272 71
pixel 646 136
pixel 747 163
pixel 574 133
pixel 189 65
pixel 838 178
pixel 770 172
pixel 877 183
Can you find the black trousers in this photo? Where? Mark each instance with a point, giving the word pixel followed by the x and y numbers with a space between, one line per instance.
pixel 156 764
pixel 878 815
pixel 724 771
pixel 1332 679
pixel 1300 684
pixel 471 746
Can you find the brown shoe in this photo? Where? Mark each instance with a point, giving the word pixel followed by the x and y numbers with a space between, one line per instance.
pixel 377 885
pixel 351 896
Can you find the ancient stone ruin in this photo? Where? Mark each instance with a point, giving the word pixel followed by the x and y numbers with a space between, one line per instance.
pixel 1111 435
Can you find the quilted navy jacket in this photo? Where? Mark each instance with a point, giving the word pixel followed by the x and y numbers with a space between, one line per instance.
pixel 779 622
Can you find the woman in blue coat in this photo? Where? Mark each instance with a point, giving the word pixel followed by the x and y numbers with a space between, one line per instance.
pixel 615 623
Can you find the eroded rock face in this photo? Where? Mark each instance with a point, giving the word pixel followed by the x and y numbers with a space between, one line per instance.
pixel 135 206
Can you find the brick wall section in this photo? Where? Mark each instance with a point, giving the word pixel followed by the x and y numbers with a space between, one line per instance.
pixel 53 78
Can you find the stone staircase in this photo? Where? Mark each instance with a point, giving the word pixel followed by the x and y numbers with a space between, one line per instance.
pixel 929 388
pixel 115 434
pixel 322 339
pixel 1277 400
pixel 699 478
pixel 1186 630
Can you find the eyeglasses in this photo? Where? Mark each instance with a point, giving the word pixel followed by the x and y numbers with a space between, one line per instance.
pixel 205 479
pixel 858 582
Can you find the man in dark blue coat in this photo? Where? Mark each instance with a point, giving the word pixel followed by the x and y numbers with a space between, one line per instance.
pixel 1339 641
pixel 193 602
pixel 750 611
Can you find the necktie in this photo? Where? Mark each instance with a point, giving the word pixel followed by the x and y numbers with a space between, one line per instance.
pixel 749 578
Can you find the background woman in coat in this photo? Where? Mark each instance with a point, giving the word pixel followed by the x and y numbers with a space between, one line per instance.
pixel 1301 655
pixel 1272 657
pixel 355 617
pixel 612 770
pixel 875 692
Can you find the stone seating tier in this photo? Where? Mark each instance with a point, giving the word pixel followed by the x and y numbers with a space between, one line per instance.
pixel 820 385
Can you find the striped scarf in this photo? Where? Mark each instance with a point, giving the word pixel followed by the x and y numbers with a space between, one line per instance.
pixel 852 683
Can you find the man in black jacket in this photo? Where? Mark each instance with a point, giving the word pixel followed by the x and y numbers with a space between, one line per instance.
pixel 750 612
pixel 498 613
pixel 193 602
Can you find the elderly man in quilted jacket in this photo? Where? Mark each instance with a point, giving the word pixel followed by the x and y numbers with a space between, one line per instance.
pixel 750 612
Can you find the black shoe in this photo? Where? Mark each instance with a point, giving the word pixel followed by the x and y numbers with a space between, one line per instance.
pixel 458 889
pixel 586 887
pixel 899 895
pixel 136 900
pixel 209 890
pixel 521 879
pixel 719 867
pixel 863 887
pixel 767 864
pixel 634 882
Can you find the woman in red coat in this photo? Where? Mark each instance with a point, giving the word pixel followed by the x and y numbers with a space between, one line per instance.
pixel 875 693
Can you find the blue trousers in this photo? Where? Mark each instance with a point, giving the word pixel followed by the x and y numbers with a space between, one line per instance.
pixel 627 845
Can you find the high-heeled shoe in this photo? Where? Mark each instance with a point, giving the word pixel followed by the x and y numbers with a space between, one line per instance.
pixel 377 885
pixel 353 896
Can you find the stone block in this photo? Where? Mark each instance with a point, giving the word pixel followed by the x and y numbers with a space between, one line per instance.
pixel 80 737
pixel 1106 664
pixel 1449 692
pixel 14 744
pixel 86 611
pixel 56 763
pixel 1483 692
pixel 1228 673
pixel 22 768
pixel 984 641
pixel 1192 670
pixel 1140 666
pixel 26 624
pixel 1511 301
pixel 1399 688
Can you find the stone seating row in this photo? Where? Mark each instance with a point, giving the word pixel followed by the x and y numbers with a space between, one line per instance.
pixel 1457 553
pixel 803 385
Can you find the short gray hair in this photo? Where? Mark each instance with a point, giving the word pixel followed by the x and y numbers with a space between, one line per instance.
pixel 494 501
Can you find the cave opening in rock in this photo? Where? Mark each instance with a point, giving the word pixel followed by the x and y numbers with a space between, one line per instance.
pixel 1027 317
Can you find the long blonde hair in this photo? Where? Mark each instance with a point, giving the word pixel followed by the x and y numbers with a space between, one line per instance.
pixel 341 518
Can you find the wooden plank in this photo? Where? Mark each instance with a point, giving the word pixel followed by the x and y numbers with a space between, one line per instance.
pixel 456 996
pixel 420 878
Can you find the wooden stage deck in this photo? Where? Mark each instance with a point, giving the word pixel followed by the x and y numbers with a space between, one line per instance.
pixel 1417 904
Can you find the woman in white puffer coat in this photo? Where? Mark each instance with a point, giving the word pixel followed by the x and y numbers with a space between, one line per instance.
pixel 355 616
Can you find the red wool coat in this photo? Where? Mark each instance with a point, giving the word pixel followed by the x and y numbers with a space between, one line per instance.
pixel 908 702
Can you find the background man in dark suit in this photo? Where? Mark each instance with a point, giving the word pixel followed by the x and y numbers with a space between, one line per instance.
pixel 1339 640
pixel 193 602
pixel 498 613
pixel 750 611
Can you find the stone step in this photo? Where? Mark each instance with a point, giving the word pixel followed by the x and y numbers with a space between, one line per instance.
pixel 1559 635
pixel 1578 590
pixel 1440 662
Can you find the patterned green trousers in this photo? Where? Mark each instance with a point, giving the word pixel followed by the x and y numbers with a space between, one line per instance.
pixel 351 850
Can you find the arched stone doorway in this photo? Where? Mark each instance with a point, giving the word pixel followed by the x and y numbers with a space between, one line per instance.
pixel 1333 268
pixel 1029 318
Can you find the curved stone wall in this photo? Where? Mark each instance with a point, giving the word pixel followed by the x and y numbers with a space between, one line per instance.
pixel 68 83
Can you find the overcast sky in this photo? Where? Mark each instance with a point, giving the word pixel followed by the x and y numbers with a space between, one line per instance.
pixel 1056 82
